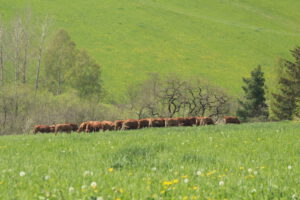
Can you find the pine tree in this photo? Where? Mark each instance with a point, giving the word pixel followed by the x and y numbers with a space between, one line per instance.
pixel 285 103
pixel 254 104
pixel 60 57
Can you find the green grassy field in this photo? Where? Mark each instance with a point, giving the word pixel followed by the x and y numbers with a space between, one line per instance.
pixel 249 161
pixel 219 41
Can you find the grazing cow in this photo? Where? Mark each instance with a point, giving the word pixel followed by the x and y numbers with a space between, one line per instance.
pixel 130 124
pixel 118 124
pixel 41 129
pixel 144 123
pixel 201 121
pixel 52 128
pixel 93 126
pixel 74 127
pixel 171 122
pixel 191 121
pixel 157 122
pixel 68 128
pixel 82 127
pixel 107 125
pixel 186 121
pixel 231 120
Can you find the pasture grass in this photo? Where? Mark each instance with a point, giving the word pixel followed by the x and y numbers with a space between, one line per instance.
pixel 248 161
pixel 217 41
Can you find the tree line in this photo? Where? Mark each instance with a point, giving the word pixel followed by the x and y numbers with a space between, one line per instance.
pixel 46 79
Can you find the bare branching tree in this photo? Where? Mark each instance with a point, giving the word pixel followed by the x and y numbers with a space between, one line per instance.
pixel 177 97
pixel 2 32
pixel 44 31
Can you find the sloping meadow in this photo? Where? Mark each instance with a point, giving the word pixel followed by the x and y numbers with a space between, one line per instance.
pixel 248 161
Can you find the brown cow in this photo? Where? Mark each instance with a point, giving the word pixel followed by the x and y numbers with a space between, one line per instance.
pixel 171 122
pixel 186 121
pixel 107 125
pixel 41 129
pixel 74 127
pixel 231 120
pixel 93 126
pixel 157 122
pixel 191 121
pixel 52 128
pixel 68 128
pixel 130 124
pixel 82 127
pixel 202 121
pixel 144 123
pixel 118 124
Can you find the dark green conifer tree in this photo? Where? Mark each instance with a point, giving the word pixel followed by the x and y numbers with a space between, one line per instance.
pixel 285 102
pixel 253 105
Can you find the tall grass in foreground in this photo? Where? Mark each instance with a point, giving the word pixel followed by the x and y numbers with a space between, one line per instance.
pixel 249 161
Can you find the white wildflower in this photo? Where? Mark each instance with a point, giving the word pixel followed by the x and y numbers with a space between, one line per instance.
pixel 199 173
pixel 71 189
pixel 22 173
pixel 94 184
pixel 289 167
pixel 186 180
pixel 100 198
pixel 47 177
pixel 88 173
pixel 250 170
pixel 153 168
pixel 255 173
pixel 221 183
pixel 253 190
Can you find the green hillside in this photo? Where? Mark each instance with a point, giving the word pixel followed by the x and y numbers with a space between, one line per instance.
pixel 218 40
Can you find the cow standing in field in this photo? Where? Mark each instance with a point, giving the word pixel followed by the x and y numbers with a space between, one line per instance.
pixel 82 127
pixel 202 121
pixel 67 128
pixel 118 124
pixel 107 125
pixel 231 120
pixel 93 126
pixel 169 122
pixel 130 124
pixel 52 128
pixel 157 122
pixel 144 123
pixel 186 121
pixel 41 129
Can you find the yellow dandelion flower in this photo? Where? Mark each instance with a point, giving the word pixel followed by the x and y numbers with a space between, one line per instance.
pixel 241 168
pixel 194 197
pixel 167 183
pixel 185 198
pixel 175 181
pixel 121 190
pixel 118 199
pixel 211 173
pixel 184 176
pixel 195 188
pixel 162 192
pixel 110 169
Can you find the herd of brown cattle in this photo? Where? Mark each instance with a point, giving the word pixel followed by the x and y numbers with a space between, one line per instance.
pixel 130 124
